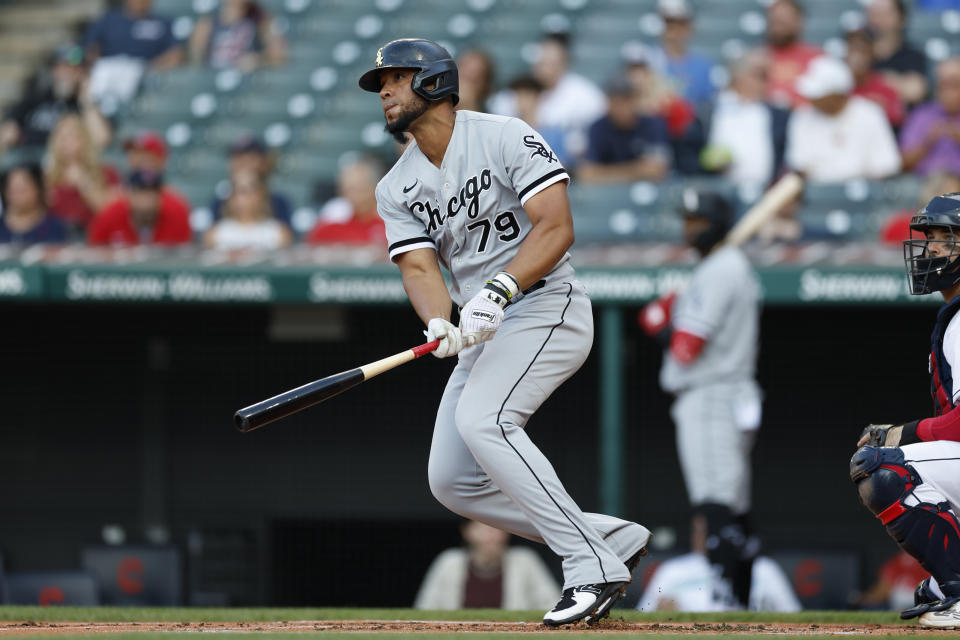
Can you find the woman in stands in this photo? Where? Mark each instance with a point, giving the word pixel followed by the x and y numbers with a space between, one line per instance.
pixel 25 219
pixel 78 185
pixel 248 221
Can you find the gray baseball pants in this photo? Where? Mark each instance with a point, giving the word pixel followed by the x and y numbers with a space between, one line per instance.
pixel 713 446
pixel 483 465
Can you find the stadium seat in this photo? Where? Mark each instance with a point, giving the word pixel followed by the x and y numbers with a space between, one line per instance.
pixel 821 579
pixel 135 575
pixel 72 588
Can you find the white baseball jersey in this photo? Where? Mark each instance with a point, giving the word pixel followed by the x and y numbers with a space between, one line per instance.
pixel 471 208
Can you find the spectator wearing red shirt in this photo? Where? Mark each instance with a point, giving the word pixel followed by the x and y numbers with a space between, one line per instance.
pixel 144 215
pixel 789 55
pixel 869 83
pixel 78 185
pixel 352 217
pixel 147 151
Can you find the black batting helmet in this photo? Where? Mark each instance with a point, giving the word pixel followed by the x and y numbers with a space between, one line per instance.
pixel 432 62
pixel 713 207
pixel 927 273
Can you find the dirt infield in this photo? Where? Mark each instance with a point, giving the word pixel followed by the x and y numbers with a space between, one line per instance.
pixel 404 626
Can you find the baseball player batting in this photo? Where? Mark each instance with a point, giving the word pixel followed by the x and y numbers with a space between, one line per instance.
pixel 908 474
pixel 710 331
pixel 485 197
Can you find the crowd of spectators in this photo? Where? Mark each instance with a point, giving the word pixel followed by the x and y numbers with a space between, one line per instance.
pixel 667 111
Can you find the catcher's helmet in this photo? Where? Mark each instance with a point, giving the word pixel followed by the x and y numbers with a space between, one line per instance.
pixel 713 207
pixel 927 273
pixel 432 62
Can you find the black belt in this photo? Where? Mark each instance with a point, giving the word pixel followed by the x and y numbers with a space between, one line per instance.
pixel 540 284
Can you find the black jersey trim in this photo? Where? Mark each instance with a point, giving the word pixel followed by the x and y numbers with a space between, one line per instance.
pixel 520 455
pixel 403 243
pixel 536 183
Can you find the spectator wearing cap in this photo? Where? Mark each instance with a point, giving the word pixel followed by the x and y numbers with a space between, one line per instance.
pixel 25 219
pixel 654 96
pixel 78 183
pixel 351 217
pixel 248 221
pixel 789 54
pixel 623 145
pixel 930 139
pixel 903 66
pixel 569 101
pixel 867 82
pixel 838 136
pixel 60 89
pixel 748 134
pixel 249 152
pixel 143 215
pixel 147 150
pixel 688 70
pixel 241 35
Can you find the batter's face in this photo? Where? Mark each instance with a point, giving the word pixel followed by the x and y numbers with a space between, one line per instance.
pixel 693 226
pixel 401 106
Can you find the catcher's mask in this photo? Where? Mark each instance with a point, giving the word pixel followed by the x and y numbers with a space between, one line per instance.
pixel 932 254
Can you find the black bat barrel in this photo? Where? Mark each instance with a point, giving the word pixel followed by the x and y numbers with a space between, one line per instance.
pixel 279 406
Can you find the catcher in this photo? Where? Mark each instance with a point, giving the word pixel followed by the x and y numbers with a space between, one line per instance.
pixel 908 474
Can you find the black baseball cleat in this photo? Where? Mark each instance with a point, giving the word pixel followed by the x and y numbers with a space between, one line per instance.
pixel 632 562
pixel 586 600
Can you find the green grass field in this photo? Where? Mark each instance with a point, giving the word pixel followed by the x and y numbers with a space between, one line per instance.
pixel 59 622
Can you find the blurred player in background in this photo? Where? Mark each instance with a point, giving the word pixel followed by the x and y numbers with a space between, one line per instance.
pixel 908 474
pixel 710 332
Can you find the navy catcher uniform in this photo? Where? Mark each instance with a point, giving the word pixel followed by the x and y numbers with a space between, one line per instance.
pixel 485 197
pixel 710 333
pixel 908 474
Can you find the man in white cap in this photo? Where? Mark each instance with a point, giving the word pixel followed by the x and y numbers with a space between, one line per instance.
pixel 838 136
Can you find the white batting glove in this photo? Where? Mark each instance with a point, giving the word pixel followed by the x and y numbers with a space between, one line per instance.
pixel 451 340
pixel 481 317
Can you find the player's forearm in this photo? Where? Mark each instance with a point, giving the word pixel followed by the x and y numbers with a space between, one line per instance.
pixel 943 427
pixel 541 250
pixel 428 294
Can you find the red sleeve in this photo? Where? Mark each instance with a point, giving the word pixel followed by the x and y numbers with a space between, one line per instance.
pixel 174 224
pixel 686 347
pixel 943 427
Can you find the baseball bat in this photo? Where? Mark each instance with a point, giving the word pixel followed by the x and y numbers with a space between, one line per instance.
pixel 780 194
pixel 289 402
